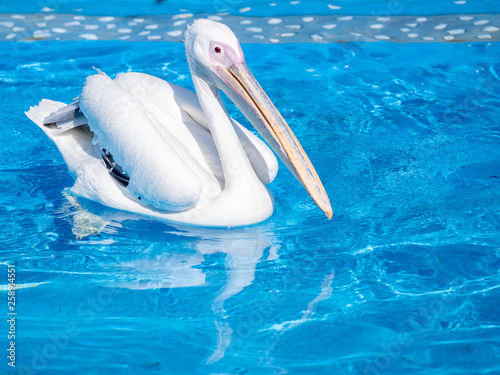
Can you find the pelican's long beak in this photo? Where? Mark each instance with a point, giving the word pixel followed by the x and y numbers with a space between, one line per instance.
pixel 251 99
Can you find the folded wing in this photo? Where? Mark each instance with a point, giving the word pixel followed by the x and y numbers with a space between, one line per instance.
pixel 159 170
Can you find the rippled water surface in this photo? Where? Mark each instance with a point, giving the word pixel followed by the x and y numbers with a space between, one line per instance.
pixel 252 7
pixel 403 280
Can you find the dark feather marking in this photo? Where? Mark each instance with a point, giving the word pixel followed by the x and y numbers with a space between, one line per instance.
pixel 114 169
pixel 71 111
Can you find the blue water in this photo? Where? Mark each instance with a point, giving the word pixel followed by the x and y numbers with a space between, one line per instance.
pixel 403 280
pixel 254 7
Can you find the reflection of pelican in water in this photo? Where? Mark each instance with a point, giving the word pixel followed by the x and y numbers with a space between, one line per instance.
pixel 244 249
pixel 162 266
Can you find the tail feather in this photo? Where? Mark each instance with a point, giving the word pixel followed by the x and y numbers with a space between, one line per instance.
pixel 70 124
pixel 67 113
pixel 40 112
pixel 49 113
pixel 83 158
pixel 74 143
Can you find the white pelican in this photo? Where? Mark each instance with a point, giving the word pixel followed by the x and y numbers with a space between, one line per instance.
pixel 173 154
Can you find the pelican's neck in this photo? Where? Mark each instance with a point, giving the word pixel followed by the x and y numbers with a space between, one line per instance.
pixel 235 163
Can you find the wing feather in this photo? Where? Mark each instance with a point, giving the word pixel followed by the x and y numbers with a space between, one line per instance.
pixel 167 99
pixel 123 126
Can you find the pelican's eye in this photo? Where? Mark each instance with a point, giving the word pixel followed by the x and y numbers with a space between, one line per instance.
pixel 217 49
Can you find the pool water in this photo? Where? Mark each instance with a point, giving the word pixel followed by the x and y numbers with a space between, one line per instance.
pixel 260 8
pixel 403 280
